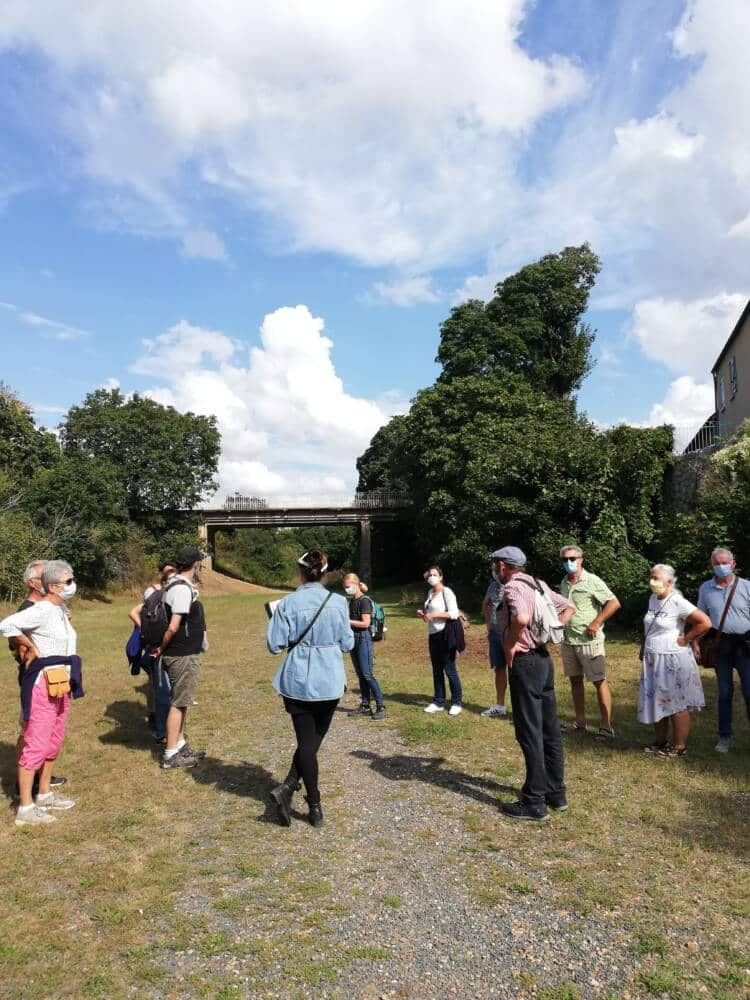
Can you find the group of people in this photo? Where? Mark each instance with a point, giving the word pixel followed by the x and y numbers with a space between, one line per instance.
pixel 313 627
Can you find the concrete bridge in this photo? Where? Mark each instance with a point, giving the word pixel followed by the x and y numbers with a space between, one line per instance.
pixel 299 512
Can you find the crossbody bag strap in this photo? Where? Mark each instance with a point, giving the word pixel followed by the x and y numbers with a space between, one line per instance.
pixel 310 624
pixel 727 606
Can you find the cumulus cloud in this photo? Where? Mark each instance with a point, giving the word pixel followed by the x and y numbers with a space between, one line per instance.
pixel 686 405
pixel 288 424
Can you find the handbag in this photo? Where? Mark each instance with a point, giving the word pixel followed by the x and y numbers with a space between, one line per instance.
pixel 454 630
pixel 298 640
pixel 708 644
pixel 58 681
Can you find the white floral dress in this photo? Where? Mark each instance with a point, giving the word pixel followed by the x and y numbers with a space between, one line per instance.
pixel 670 680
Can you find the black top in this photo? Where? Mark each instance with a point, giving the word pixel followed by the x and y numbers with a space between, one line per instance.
pixel 359 606
pixel 188 639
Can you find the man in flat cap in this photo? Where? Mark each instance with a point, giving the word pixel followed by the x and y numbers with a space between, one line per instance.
pixel 532 687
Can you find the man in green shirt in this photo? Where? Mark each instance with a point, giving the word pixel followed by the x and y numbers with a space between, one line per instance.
pixel 583 645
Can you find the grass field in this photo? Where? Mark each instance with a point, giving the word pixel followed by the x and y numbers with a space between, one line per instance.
pixel 150 866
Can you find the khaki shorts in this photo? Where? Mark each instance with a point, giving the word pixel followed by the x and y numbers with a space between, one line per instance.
pixel 587 660
pixel 182 672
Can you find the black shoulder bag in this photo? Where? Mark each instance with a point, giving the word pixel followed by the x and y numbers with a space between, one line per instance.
pixel 310 624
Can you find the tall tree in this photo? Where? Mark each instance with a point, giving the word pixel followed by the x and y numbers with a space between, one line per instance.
pixel 24 447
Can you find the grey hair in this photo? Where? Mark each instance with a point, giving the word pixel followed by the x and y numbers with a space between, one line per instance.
pixel 29 574
pixel 571 548
pixel 721 551
pixel 52 572
pixel 666 570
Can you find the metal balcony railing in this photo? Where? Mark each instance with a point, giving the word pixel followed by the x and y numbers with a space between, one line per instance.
pixel 688 440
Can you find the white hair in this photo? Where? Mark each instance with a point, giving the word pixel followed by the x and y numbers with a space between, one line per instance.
pixel 666 570
pixel 30 572
pixel 571 548
pixel 53 571
pixel 721 551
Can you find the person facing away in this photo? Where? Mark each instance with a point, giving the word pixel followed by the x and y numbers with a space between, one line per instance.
pixel 734 646
pixel 45 638
pixel 582 649
pixel 670 685
pixel 531 678
pixel 360 618
pixel 158 696
pixel 493 598
pixel 441 606
pixel 180 653
pixel 311 627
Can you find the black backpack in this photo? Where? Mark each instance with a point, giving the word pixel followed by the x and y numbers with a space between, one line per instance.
pixel 155 615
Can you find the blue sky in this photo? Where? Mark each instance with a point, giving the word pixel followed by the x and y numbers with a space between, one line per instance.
pixel 267 217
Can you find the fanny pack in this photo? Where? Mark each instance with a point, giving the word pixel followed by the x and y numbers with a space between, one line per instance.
pixel 57 681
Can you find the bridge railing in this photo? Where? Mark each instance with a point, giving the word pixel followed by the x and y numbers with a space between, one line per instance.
pixel 380 500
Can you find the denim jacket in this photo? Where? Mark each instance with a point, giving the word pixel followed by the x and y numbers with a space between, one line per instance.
pixel 314 669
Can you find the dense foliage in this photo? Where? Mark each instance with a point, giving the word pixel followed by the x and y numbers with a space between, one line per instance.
pixel 269 556
pixel 111 497
pixel 496 452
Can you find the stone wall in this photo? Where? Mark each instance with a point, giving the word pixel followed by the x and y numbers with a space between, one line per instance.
pixel 685 478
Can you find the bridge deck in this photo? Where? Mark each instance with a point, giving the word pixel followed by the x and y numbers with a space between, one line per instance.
pixel 295 517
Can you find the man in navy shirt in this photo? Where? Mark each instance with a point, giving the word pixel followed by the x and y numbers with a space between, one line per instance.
pixel 734 646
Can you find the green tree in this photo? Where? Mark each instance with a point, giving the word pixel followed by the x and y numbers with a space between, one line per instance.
pixel 24 447
pixel 166 460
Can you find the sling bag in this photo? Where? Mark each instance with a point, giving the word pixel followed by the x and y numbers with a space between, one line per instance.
pixel 642 650
pixel 708 644
pixel 298 640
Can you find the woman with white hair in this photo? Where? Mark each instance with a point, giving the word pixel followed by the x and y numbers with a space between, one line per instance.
pixel 46 644
pixel 670 682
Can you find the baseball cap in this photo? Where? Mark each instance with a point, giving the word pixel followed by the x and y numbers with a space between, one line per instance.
pixel 188 555
pixel 509 554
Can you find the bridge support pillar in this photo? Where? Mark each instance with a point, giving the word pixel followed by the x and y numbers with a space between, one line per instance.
pixel 208 540
pixel 365 550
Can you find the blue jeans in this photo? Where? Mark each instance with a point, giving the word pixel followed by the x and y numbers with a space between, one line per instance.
pixel 162 693
pixel 496 651
pixel 444 662
pixel 362 661
pixel 734 654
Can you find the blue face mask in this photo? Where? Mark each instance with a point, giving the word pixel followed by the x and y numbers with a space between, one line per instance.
pixel 570 565
pixel 722 570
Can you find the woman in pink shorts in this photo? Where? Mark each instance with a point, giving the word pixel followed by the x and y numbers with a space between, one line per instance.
pixel 44 637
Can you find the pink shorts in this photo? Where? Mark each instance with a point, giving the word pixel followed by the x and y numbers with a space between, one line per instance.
pixel 43 734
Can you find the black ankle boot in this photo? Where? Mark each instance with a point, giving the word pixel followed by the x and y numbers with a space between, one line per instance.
pixel 315 815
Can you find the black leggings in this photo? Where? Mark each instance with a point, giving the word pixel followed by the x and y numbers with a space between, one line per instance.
pixel 311 720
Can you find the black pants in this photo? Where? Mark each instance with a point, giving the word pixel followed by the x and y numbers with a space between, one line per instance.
pixel 532 694
pixel 311 720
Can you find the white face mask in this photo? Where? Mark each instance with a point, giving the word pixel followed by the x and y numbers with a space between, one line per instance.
pixel 350 591
pixel 433 580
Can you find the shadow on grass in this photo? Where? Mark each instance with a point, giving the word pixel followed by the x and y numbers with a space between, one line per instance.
pixel 244 779
pixel 131 729
pixel 420 700
pixel 8 771
pixel 404 767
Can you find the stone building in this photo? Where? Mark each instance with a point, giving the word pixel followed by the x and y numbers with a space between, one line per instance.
pixel 731 374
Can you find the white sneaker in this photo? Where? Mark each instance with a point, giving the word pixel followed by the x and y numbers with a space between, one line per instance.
pixel 432 707
pixel 33 816
pixel 455 710
pixel 54 800
pixel 494 712
pixel 723 745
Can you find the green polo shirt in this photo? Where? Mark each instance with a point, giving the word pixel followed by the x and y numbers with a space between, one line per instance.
pixel 589 594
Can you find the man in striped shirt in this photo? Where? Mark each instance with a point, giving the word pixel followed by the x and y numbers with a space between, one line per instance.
pixel 532 689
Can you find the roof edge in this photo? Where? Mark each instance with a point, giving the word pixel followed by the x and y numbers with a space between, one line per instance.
pixel 743 316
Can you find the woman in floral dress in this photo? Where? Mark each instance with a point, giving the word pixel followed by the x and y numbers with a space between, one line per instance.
pixel 670 681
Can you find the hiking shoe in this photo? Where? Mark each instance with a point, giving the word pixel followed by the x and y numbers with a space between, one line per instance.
pixel 519 810
pixel 282 799
pixel 359 712
pixel 558 806
pixel 53 800
pixel 55 782
pixel 188 751
pixel 379 713
pixel 33 816
pixel 178 759
pixel 455 710
pixel 724 744
pixel 432 708
pixel 494 712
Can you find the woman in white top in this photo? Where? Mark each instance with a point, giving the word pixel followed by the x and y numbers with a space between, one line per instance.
pixel 43 630
pixel 440 606
pixel 670 681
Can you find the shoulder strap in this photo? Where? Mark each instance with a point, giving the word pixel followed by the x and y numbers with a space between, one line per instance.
pixel 298 640
pixel 727 606
pixel 536 585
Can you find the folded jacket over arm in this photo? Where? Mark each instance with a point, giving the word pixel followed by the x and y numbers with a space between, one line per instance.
pixel 30 675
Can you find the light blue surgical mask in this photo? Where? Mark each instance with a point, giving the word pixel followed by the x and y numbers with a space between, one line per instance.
pixel 722 570
pixel 570 565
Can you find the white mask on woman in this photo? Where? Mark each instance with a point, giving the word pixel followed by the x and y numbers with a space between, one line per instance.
pixel 68 591
pixel 351 591
pixel 433 580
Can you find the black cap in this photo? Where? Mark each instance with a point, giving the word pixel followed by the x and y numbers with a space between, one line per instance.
pixel 166 562
pixel 188 555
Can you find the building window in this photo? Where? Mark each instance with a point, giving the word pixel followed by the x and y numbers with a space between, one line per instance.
pixel 733 375
pixel 722 394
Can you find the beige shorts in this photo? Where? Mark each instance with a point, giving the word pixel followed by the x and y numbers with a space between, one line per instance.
pixel 182 672
pixel 587 660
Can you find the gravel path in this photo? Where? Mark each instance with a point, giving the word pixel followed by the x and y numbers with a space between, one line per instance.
pixel 405 898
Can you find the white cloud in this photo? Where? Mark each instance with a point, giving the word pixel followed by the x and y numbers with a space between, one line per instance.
pixel 47 327
pixel 111 384
pixel 203 243
pixel 406 291
pixel 686 335
pixel 686 405
pixel 288 424
pixel 389 132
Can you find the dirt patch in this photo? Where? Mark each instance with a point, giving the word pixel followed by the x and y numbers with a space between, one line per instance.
pixel 214 584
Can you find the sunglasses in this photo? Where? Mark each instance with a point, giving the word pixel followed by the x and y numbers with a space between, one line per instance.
pixel 66 582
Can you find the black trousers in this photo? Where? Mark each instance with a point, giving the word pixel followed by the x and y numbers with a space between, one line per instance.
pixel 311 720
pixel 532 694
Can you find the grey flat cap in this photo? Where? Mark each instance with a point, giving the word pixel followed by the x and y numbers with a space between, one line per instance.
pixel 509 554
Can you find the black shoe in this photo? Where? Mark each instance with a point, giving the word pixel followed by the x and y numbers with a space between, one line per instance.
pixel 519 810
pixel 178 759
pixel 315 815
pixel 360 711
pixel 557 805
pixel 282 799
pixel 379 712
pixel 55 782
